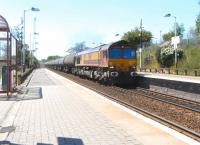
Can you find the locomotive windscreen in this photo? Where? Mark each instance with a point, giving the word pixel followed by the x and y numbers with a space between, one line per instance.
pixel 122 53
pixel 129 53
pixel 115 53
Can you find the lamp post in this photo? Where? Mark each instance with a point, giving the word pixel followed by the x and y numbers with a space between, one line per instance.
pixel 141 45
pixel 34 42
pixel 175 44
pixel 24 42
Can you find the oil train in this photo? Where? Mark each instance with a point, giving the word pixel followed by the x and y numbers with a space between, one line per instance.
pixel 113 63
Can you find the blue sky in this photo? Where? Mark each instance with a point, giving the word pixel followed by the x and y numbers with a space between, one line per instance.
pixel 62 23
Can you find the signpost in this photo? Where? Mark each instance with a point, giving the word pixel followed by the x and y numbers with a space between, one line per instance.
pixel 174 41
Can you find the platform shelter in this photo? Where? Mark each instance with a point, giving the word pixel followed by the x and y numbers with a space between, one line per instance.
pixel 8 67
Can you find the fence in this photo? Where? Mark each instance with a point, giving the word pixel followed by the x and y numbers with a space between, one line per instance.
pixel 186 72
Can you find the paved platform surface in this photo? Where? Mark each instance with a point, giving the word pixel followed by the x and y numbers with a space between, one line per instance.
pixel 55 114
pixel 50 109
pixel 181 78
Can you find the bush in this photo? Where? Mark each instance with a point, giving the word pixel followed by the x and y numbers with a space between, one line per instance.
pixel 188 56
pixel 149 57
pixel 191 57
pixel 166 56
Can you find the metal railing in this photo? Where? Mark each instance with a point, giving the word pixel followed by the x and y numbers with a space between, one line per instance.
pixel 186 72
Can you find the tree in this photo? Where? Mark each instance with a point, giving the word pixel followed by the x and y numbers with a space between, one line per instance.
pixel 78 47
pixel 134 36
pixel 167 36
pixel 35 61
pixel 158 54
pixel 43 60
pixel 17 33
pixel 180 29
pixel 27 58
pixel 179 32
pixel 53 57
pixel 197 25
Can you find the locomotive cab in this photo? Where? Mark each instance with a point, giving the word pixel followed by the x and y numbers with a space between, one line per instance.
pixel 122 58
pixel 122 63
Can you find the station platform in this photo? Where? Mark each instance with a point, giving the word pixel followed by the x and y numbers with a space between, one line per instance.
pixel 52 110
pixel 180 78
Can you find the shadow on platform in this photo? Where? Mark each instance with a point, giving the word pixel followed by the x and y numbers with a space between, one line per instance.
pixel 66 141
pixel 7 143
pixel 24 94
pixel 60 141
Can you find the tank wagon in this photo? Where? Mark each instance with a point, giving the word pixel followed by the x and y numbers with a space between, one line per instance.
pixel 113 63
pixel 69 63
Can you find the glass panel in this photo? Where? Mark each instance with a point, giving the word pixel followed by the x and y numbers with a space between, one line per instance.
pixel 13 78
pixel 115 53
pixel 3 34
pixel 13 53
pixel 129 53
pixel 3 50
pixel 3 76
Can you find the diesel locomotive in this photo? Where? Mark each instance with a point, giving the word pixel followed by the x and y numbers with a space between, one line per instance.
pixel 113 63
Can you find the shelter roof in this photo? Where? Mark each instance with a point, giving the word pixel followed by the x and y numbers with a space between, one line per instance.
pixel 3 24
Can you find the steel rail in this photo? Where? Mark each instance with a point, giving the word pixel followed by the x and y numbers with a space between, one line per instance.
pixel 194 106
pixel 172 96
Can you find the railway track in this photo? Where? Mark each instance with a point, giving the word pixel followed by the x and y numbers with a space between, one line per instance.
pixel 171 99
pixel 177 113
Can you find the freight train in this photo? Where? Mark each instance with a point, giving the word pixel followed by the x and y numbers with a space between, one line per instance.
pixel 113 63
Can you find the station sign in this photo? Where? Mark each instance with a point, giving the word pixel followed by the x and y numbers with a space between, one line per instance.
pixel 175 40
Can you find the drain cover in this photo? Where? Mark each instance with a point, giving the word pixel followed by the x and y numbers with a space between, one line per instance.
pixel 7 129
